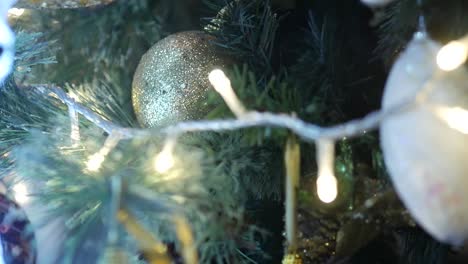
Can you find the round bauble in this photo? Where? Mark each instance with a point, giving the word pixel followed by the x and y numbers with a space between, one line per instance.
pixel 60 3
pixel 426 159
pixel 171 81
pixel 16 234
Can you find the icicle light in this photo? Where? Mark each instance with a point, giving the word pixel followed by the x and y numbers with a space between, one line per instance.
pixel 327 189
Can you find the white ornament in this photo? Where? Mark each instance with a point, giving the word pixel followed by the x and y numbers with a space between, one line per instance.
pixel 7 41
pixel 426 158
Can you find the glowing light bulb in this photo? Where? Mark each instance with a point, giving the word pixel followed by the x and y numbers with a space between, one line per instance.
pixel 222 85
pixel 21 193
pixel 455 117
pixel 220 82
pixel 164 161
pixel 452 55
pixel 15 11
pixel 95 161
pixel 327 186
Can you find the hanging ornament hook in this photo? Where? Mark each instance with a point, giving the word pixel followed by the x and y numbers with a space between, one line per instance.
pixel 422 27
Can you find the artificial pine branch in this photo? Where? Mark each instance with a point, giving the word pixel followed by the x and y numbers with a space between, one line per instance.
pixel 247 30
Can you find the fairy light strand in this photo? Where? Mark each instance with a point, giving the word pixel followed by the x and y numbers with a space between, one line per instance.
pixel 164 161
pixel 245 119
pixel 306 131
pixel 327 184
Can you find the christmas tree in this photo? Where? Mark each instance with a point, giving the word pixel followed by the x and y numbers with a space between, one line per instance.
pixel 233 131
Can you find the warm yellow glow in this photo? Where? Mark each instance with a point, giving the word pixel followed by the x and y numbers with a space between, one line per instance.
pixel 220 82
pixel 455 117
pixel 20 192
pixel 222 85
pixel 95 161
pixel 327 186
pixel 452 55
pixel 15 12
pixel 164 161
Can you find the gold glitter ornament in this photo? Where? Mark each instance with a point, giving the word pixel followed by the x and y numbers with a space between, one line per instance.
pixel 171 82
pixel 292 259
pixel 55 4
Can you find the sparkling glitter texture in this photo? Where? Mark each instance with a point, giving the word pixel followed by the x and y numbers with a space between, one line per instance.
pixel 171 81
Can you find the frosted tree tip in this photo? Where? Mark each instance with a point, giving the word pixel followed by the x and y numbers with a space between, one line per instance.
pixel 452 56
